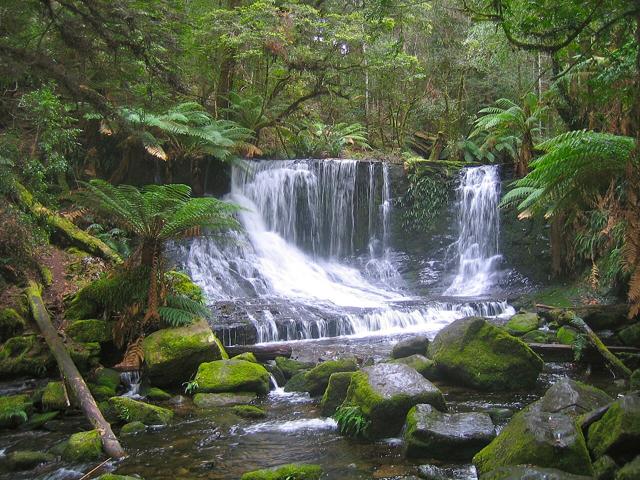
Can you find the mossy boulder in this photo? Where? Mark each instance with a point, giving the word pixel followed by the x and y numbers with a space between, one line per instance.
pixel 411 346
pixel 290 367
pixel 522 323
pixel 573 398
pixel 246 356
pixel 335 393
pixel 617 433
pixel 130 410
pixel 539 336
pixel 172 355
pixel 566 335
pixel 630 471
pixel 297 383
pixel 133 428
pixel 232 376
pixel 249 411
pixel 292 471
pixel 211 400
pixel 429 433
pixel 14 410
pixel 87 331
pixel 527 472
pixel 11 323
pixel 477 354
pixel 25 356
pixel 156 394
pixel 54 397
pixel 37 420
pixel 634 382
pixel 104 383
pixel 424 366
pixel 630 335
pixel 537 437
pixel 386 392
pixel 86 356
pixel 26 460
pixel 605 468
pixel 317 378
pixel 83 447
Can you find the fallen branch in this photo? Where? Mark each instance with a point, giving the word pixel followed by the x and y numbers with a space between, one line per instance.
pixel 263 353
pixel 70 372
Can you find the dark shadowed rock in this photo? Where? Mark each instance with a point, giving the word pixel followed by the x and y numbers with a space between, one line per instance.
pixel 526 472
pixel 411 346
pixel 424 366
pixel 573 398
pixel 335 393
pixel 617 433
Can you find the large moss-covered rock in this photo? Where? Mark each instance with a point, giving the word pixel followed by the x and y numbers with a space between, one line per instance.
pixel 477 354
pixel 232 376
pixel 424 366
pixel 540 438
pixel 293 471
pixel 539 336
pixel 54 396
pixel 522 323
pixel 104 383
pixel 249 411
pixel 25 356
pixel 411 346
pixel 90 331
pixel 429 433
pixel 86 356
pixel 605 468
pixel 567 335
pixel 155 394
pixel 526 472
pixel 133 428
pixel 386 392
pixel 634 382
pixel 630 471
pixel 14 410
pixel 335 393
pixel 83 447
pixel 130 410
pixel 630 335
pixel 11 323
pixel 617 433
pixel 573 398
pixel 246 356
pixel 172 355
pixel 26 460
pixel 210 400
pixel 297 383
pixel 290 367
pixel 317 378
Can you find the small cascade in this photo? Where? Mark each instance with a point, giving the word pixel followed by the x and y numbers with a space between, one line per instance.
pixel 479 229
pixel 132 381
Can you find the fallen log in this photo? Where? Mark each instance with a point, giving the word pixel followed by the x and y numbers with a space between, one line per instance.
pixel 70 372
pixel 557 352
pixel 263 353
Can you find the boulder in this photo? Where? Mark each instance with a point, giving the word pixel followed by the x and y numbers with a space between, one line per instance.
pixel 247 356
pixel 249 411
pixel 172 355
pixel 156 394
pixel 527 472
pixel 210 400
pixel 83 447
pixel 290 367
pixel 605 468
pixel 630 335
pixel 634 382
pixel 297 383
pixel 90 331
pixel 11 323
pixel 232 376
pixel 477 354
pixel 567 335
pixel 335 393
pixel 537 437
pixel 617 433
pixel 573 398
pixel 54 397
pixel 411 346
pixel 25 356
pixel 132 428
pixel 37 420
pixel 631 471
pixel 432 434
pixel 386 392
pixel 293 471
pixel 14 410
pixel 420 363
pixel 104 384
pixel 86 356
pixel 522 323
pixel 26 460
pixel 130 410
pixel 539 336
pixel 317 378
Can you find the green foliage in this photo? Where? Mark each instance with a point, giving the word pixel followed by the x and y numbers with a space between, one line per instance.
pixel 317 140
pixel 115 238
pixel 351 421
pixel 191 387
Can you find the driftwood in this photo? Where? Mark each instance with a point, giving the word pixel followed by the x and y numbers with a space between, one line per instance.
pixel 263 353
pixel 71 374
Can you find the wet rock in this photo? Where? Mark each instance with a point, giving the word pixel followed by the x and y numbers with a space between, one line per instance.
pixel 104 383
pixel 522 323
pixel 172 355
pixel 86 356
pixel 526 472
pixel 631 471
pixel 573 398
pixel 539 336
pixel 434 472
pixel 54 397
pixel 420 363
pixel 537 437
pixel 276 373
pixel 25 356
pixel 477 354
pixel 290 367
pixel 335 393
pixel 14 410
pixel 566 335
pixel 617 433
pixel 297 471
pixel 605 468
pixel 90 331
pixel 317 378
pixel 210 400
pixel 630 335
pixel 232 376
pixel 130 410
pixel 443 436
pixel 25 460
pixel 386 392
pixel 82 447
pixel 500 415
pixel 11 323
pixel 412 346
pixel 297 383
pixel 38 420
pixel 634 382
pixel 247 357
pixel 249 411
pixel 132 428
pixel 156 394
pixel 112 476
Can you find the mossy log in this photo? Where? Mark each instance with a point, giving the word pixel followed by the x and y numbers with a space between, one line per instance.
pixel 72 234
pixel 70 372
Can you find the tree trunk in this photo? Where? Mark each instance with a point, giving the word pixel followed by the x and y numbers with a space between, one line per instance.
pixel 71 374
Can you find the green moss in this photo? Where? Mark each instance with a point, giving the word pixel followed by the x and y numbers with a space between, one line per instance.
pixel 86 356
pixel 11 323
pixel 634 382
pixel 90 331
pixel 522 323
pixel 14 410
pixel 317 378
pixel 156 394
pixel 130 410
pixel 54 396
pixel 618 431
pixel 335 393
pixel 247 357
pixel 105 383
pixel 183 285
pixel 297 383
pixel 420 363
pixel 83 447
pixel 538 336
pixel 631 471
pixel 567 335
pixel 25 356
pixel 293 471
pixel 37 420
pixel 26 460
pixel 132 428
pixel 232 376
pixel 249 411
pixel 605 468
pixel 209 400
pixel 46 275
pixel 290 367
pixel 630 335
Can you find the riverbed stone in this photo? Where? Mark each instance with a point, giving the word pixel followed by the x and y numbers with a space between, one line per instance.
pixel 335 393
pixel 90 331
pixel 630 336
pixel 424 366
pixel 132 428
pixel 104 383
pixel 14 410
pixel 386 392
pixel 291 367
pixel 25 460
pixel 537 437
pixel 317 378
pixel 528 472
pixel 83 447
pixel 567 335
pixel 429 433
pixel 54 397
pixel 539 336
pixel 477 354
pixel 172 355
pixel 210 400
pixel 232 376
pixel 522 323
pixel 249 411
pixel 411 346
pixel 130 410
pixel 297 383
pixel 573 398
pixel 617 433
pixel 292 471
pixel 155 394
pixel 11 323
pixel 630 471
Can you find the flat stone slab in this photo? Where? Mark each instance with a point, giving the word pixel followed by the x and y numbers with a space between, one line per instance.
pixel 210 400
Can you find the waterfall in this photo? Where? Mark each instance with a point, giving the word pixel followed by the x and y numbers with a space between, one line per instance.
pixel 479 229
pixel 131 380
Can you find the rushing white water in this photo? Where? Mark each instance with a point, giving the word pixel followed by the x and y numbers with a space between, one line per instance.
pixel 479 230
pixel 132 381
pixel 294 426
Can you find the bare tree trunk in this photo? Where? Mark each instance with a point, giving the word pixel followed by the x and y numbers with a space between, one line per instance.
pixel 71 374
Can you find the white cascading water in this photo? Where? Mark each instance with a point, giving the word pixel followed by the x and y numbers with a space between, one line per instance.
pixel 479 230
pixel 315 253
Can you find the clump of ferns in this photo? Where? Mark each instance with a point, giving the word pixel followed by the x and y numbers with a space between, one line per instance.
pixel 191 386
pixel 352 422
pixel 13 416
